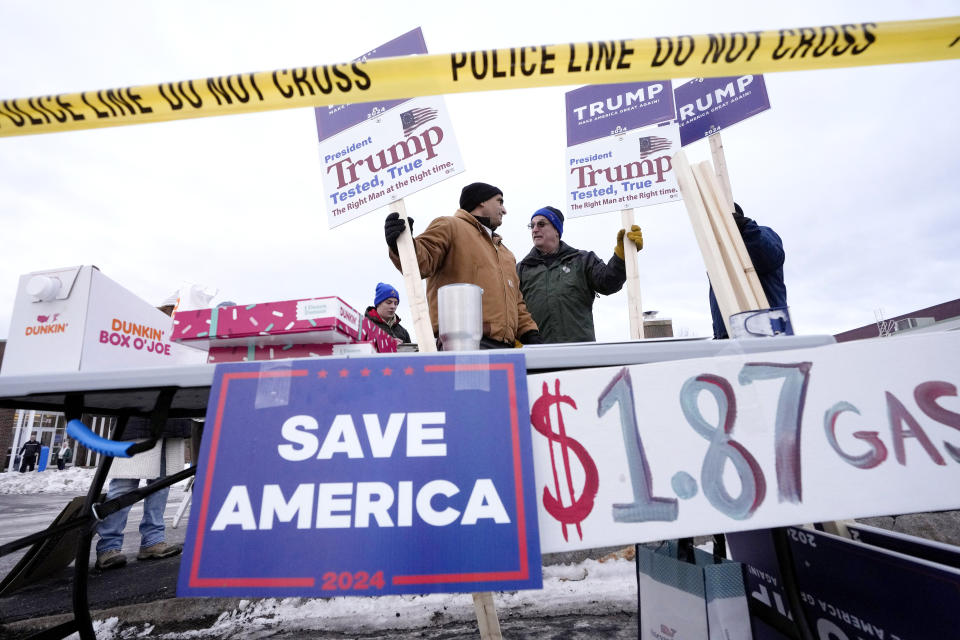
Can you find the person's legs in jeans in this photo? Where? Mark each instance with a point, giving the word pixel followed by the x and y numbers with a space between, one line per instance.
pixel 151 526
pixel 111 528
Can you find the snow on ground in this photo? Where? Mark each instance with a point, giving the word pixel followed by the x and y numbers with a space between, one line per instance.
pixel 71 480
pixel 591 587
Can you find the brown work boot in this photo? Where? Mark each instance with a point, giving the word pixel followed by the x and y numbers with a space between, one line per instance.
pixel 159 550
pixel 112 559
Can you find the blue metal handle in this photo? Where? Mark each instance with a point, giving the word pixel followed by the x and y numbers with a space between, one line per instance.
pixel 113 448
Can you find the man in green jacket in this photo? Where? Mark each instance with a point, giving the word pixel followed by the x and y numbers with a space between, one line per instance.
pixel 559 283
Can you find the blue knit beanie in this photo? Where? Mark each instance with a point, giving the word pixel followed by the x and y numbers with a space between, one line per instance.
pixel 385 291
pixel 553 215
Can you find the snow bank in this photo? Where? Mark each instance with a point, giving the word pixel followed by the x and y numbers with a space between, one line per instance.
pixel 72 480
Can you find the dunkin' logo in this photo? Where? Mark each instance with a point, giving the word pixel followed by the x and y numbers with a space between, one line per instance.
pixel 136 329
pixel 350 318
pixel 42 329
pixel 48 324
pixel 665 633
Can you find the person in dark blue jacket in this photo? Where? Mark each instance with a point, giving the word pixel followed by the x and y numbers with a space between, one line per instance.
pixel 766 252
pixel 29 453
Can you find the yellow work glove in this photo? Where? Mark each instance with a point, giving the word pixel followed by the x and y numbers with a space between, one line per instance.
pixel 634 234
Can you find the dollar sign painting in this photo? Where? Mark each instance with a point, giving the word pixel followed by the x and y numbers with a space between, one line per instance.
pixel 579 508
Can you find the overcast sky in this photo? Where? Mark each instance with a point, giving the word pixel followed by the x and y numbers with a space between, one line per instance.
pixel 855 168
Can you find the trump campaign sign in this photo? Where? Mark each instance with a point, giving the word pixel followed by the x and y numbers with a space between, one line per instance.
pixel 334 118
pixel 375 153
pixel 707 105
pixel 612 164
pixel 598 111
pixel 631 169
pixel 364 477
pixel 847 590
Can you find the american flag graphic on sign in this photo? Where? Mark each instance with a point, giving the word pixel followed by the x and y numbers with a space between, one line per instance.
pixel 652 144
pixel 416 117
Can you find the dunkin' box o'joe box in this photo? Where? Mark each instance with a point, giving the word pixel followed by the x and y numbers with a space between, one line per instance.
pixel 78 319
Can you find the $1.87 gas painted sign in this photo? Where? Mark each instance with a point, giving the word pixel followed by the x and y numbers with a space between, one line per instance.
pixel 738 442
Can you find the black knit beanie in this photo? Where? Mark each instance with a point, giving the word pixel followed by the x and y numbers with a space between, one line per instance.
pixel 475 193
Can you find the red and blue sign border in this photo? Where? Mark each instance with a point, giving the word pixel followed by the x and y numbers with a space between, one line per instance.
pixel 221 393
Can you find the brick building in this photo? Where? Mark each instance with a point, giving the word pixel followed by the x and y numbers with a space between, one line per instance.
pixel 16 426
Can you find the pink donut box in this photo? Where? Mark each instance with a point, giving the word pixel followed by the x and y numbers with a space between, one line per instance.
pixel 275 330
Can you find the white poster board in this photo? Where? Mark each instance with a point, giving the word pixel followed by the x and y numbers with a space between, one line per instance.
pixel 623 171
pixel 401 151
pixel 695 447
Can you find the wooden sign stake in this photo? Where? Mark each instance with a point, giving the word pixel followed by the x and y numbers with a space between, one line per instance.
pixel 413 283
pixel 731 260
pixel 723 176
pixel 634 306
pixel 486 616
pixel 719 279
pixel 720 162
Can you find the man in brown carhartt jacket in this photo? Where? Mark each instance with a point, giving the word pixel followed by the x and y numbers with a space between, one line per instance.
pixel 463 248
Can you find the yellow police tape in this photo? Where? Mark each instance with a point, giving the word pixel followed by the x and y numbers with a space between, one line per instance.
pixel 684 56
